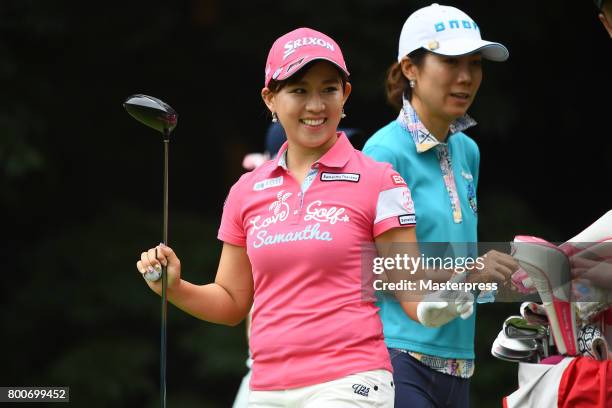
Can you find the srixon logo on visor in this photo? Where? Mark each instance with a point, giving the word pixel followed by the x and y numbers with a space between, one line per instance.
pixel 292 46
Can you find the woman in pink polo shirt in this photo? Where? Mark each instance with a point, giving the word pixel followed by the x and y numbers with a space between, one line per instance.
pixel 293 232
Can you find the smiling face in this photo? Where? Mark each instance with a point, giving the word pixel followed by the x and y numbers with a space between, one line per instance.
pixel 310 106
pixel 445 86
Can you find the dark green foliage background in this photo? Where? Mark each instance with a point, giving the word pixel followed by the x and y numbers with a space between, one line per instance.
pixel 80 181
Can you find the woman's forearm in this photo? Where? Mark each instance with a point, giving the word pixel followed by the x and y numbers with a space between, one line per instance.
pixel 211 302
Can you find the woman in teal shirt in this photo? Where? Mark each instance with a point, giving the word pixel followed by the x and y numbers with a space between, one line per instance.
pixel 434 82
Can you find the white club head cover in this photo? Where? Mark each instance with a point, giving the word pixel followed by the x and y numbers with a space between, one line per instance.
pixel 549 269
pixel 593 243
pixel 599 231
pixel 534 313
pixel 439 308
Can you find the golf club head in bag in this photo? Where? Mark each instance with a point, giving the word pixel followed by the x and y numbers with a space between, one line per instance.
pixel 515 327
pixel 534 313
pixel 549 269
pixel 514 350
pixel 153 112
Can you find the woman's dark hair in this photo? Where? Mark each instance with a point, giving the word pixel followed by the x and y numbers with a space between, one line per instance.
pixel 397 84
pixel 276 86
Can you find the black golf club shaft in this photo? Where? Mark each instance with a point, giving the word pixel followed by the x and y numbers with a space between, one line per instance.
pixel 160 116
pixel 164 300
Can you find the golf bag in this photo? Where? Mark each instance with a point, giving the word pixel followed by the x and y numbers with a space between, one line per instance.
pixel 579 316
pixel 575 382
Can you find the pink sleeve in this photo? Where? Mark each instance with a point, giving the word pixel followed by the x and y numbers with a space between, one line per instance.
pixel 232 227
pixel 394 207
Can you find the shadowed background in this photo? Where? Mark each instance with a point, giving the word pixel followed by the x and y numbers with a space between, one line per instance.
pixel 81 181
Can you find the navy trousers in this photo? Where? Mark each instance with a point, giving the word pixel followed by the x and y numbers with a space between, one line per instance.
pixel 418 386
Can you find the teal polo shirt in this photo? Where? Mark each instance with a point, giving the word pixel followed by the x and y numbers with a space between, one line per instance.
pixel 436 221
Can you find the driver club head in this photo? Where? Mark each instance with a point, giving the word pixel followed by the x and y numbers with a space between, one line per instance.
pixel 153 112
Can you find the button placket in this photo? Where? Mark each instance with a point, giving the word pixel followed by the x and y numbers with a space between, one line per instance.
pixel 444 158
pixel 308 180
pixel 295 203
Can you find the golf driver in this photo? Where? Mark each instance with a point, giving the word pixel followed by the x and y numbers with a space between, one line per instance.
pixel 161 117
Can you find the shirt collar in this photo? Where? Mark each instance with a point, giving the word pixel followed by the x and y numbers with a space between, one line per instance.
pixel 423 139
pixel 337 156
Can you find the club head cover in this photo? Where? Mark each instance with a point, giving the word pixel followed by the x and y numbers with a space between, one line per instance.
pixel 593 243
pixel 591 343
pixel 534 313
pixel 522 282
pixel 549 269
pixel 599 231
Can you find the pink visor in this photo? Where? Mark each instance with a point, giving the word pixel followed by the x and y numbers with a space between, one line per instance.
pixel 297 48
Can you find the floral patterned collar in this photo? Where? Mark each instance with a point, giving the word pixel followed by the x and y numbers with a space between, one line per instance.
pixel 423 139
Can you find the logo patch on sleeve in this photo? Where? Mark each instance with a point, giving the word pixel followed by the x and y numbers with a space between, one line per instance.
pixel 407 219
pixel 268 183
pixel 398 180
pixel 351 177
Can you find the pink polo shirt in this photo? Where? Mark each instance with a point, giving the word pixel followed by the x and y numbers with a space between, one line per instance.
pixel 310 322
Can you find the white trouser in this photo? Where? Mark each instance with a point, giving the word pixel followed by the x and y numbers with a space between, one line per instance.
pixel 368 389
pixel 242 397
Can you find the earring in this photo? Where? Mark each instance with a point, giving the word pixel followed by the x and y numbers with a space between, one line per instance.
pixel 274 117
pixel 342 115
pixel 412 83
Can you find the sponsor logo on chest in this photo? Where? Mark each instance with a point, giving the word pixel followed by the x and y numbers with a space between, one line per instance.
pixel 268 183
pixel 351 177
